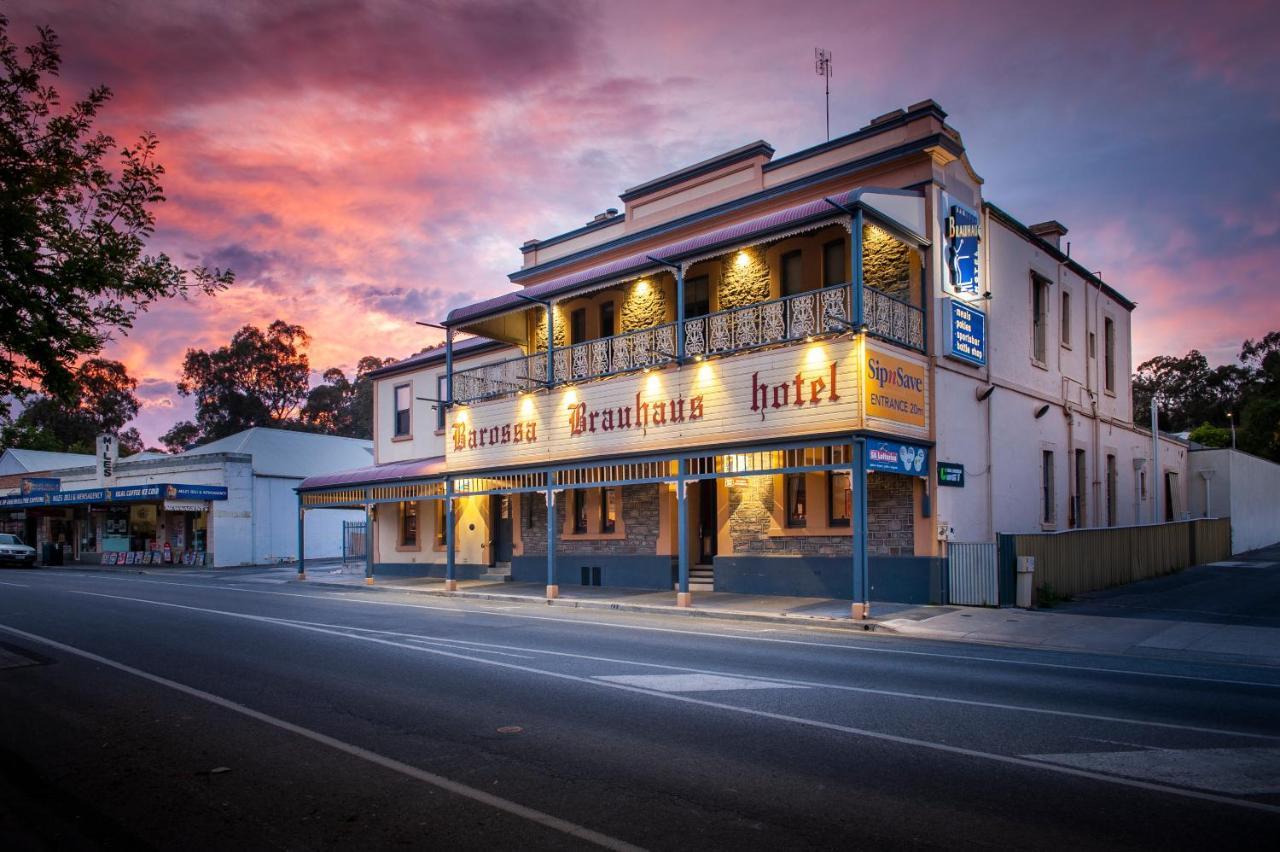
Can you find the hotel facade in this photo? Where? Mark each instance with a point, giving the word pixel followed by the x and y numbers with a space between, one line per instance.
pixel 808 375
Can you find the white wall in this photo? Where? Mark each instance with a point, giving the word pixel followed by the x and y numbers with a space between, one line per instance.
pixel 1241 486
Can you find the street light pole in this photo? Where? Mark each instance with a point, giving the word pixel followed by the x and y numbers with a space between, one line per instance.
pixel 1232 420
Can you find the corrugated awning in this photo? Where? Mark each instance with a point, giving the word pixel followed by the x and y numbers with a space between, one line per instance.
pixel 376 474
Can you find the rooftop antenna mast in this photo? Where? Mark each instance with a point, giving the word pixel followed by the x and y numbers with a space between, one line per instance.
pixel 822 67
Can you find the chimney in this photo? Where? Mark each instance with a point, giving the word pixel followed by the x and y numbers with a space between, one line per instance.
pixel 1051 232
pixel 600 217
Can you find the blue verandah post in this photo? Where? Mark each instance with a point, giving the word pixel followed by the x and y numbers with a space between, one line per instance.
pixel 855 245
pixel 861 607
pixel 683 598
pixel 551 356
pixel 302 553
pixel 450 558
pixel 680 314
pixel 553 590
pixel 368 538
pixel 448 370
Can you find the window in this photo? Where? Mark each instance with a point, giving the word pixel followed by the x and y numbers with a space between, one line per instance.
pixel 1111 490
pixel 833 255
pixel 839 498
pixel 579 510
pixel 442 521
pixel 408 524
pixel 1172 497
pixel 792 273
pixel 578 326
pixel 697 296
pixel 1093 345
pixel 1047 514
pixel 797 505
pixel 1065 321
pixel 404 411
pixel 442 396
pixel 1039 316
pixel 607 324
pixel 1109 353
pixel 1078 518
pixel 608 510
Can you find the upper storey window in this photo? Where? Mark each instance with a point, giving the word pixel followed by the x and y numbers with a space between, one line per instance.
pixel 403 418
pixel 1039 317
pixel 1109 353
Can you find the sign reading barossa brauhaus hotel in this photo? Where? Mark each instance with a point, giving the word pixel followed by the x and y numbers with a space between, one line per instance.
pixel 830 386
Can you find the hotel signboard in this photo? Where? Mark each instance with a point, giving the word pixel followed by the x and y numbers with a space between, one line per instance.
pixel 791 392
pixel 964 231
pixel 966 333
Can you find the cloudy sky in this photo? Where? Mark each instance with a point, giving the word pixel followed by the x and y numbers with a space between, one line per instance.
pixel 362 165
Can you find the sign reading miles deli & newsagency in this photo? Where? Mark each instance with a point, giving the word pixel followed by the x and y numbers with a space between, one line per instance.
pixel 777 394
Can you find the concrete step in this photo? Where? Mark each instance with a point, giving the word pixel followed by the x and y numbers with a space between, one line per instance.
pixel 496 577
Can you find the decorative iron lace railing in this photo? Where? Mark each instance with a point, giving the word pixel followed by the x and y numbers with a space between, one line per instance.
pixel 784 320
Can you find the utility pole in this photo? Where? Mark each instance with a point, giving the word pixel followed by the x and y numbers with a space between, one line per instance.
pixel 1157 480
pixel 1232 420
pixel 822 66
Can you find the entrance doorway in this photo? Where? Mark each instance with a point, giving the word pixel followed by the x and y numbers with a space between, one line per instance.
pixel 707 527
pixel 500 529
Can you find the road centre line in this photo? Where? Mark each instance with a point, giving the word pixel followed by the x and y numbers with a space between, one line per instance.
pixel 481 610
pixel 1012 760
pixel 446 784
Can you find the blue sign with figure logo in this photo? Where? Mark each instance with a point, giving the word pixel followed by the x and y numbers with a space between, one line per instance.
pixel 963 235
pixel 893 457
pixel 966 333
pixel 39 485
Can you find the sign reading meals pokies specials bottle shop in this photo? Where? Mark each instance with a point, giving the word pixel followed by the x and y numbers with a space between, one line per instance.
pixel 828 386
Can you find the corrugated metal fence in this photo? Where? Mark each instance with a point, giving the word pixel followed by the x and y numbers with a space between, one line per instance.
pixel 973 574
pixel 1087 560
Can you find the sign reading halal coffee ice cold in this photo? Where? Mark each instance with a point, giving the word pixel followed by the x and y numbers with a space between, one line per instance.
pixel 964 231
pixel 966 333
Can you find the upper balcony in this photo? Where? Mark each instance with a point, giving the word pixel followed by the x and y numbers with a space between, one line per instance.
pixel 833 277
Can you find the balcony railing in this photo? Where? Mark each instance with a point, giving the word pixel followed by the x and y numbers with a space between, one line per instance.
pixel 791 318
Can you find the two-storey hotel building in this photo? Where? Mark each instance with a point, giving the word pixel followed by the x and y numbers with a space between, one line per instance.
pixel 801 375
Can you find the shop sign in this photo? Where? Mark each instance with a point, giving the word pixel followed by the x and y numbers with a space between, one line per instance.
pixel 963 234
pixel 31 485
pixel 951 474
pixel 893 457
pixel 186 506
pixel 895 388
pixel 83 495
pixel 195 492
pixel 966 333
pixel 107 453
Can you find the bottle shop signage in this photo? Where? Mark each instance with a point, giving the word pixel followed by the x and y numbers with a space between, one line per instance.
pixel 773 395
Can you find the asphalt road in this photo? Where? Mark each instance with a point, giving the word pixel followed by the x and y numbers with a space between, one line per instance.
pixel 248 712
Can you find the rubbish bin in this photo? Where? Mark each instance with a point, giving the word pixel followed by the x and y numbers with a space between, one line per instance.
pixel 1026 581
pixel 51 553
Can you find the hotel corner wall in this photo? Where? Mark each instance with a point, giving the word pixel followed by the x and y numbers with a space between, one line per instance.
pixel 779 394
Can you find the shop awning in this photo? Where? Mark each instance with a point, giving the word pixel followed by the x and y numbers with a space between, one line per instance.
pixel 377 474
pixel 124 494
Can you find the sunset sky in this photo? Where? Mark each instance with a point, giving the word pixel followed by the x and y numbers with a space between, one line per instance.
pixel 365 165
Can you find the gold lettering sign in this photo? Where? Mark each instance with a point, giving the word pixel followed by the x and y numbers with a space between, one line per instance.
pixel 895 388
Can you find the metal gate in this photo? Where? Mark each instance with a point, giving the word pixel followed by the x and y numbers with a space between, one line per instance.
pixel 354 541
pixel 973 579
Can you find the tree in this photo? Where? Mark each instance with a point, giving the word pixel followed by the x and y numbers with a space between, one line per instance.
pixel 72 229
pixel 258 379
pixel 343 407
pixel 102 401
pixel 1187 390
pixel 1209 435
pixel 182 436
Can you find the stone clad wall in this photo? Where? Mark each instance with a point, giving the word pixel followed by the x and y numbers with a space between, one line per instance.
pixel 890 524
pixel 744 283
pixel 645 305
pixel 886 263
pixel 639 519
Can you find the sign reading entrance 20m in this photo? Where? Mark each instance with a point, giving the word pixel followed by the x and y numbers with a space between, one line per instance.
pixel 895 389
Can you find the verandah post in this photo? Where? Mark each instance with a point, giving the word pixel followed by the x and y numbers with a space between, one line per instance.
pixel 861 606
pixel 368 538
pixel 683 597
pixel 553 590
pixel 450 558
pixel 302 553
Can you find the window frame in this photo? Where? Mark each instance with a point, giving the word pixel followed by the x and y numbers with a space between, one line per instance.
pixel 794 484
pixel 581 523
pixel 440 514
pixel 703 282
pixel 396 410
pixel 612 309
pixel 408 525
pixel 1113 477
pixel 832 520
pixel 610 526
pixel 1039 319
pixel 574 337
pixel 798 256
pixel 1109 355
pixel 1064 321
pixel 1048 497
pixel 839 245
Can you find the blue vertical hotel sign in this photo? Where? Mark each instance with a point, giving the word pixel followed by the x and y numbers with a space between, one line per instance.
pixel 966 333
pixel 963 234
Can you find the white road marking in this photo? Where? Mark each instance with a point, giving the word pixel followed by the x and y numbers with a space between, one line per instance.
pixel 1236 771
pixel 16 585
pixel 1238 564
pixel 505 805
pixel 1007 759
pixel 483 610
pixel 695 682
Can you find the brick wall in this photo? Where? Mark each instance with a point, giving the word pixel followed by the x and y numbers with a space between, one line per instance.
pixel 639 517
pixel 890 526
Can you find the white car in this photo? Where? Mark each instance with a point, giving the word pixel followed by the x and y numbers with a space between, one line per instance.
pixel 14 552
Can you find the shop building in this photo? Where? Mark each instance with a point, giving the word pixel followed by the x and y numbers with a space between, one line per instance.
pixel 802 375
pixel 226 503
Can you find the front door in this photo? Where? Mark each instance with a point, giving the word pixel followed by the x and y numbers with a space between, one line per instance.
pixel 706 521
pixel 500 511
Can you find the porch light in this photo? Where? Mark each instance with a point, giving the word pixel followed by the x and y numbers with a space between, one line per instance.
pixel 743 259
pixel 642 286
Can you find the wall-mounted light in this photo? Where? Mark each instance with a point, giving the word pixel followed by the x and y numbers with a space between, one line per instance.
pixel 1042 411
pixel 983 394
pixel 743 259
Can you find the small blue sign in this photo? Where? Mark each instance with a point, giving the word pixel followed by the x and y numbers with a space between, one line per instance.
pixel 966 333
pixel 893 457
pixel 30 485
pixel 963 234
